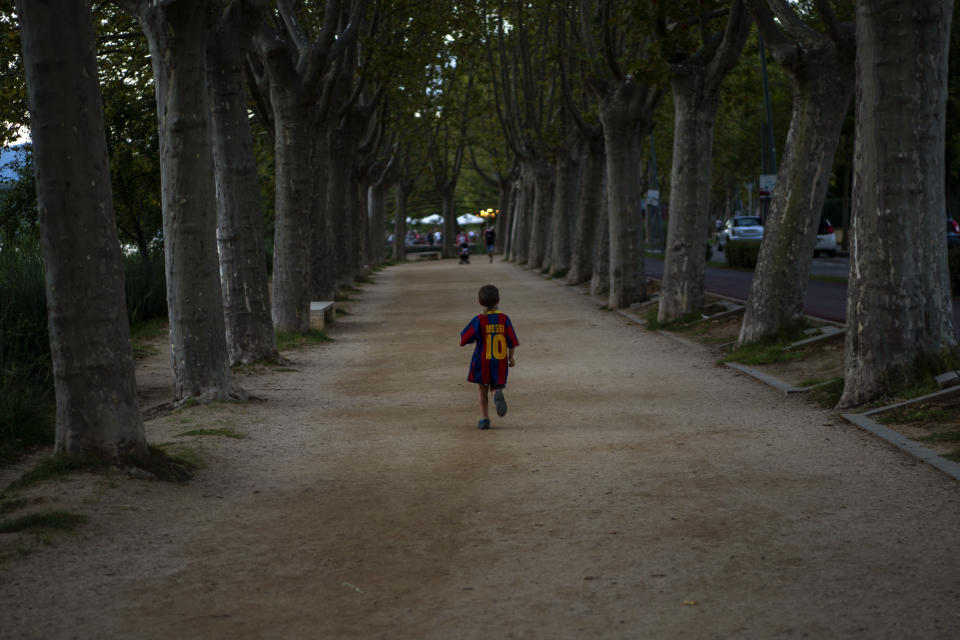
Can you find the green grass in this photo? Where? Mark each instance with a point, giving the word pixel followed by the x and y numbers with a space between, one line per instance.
pixel 833 279
pixel 945 436
pixel 763 353
pixel 44 521
pixel 54 466
pixel 342 297
pixel 954 456
pixel 143 333
pixel 828 395
pixel 919 413
pixel 173 461
pixel 14 504
pixel 684 322
pixel 341 312
pixel 225 432
pixel 288 340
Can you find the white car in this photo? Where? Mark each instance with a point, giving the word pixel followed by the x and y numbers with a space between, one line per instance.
pixel 826 240
pixel 740 228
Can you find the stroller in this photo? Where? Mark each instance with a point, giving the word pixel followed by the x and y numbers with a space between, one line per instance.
pixel 464 253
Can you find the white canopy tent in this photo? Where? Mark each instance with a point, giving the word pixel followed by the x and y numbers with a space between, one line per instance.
pixel 469 218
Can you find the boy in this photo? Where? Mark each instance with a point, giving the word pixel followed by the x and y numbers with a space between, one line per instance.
pixel 496 341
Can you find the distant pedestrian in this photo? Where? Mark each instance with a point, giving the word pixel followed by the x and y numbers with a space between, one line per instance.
pixel 490 237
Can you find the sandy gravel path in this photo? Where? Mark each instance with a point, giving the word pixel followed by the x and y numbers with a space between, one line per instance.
pixel 634 490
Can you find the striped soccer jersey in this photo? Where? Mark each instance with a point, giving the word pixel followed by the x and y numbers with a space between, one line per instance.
pixel 493 332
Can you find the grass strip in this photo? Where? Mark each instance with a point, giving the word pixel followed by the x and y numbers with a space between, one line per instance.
pixel 44 521
pixel 224 432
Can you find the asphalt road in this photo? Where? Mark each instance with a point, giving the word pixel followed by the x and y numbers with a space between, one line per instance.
pixel 827 300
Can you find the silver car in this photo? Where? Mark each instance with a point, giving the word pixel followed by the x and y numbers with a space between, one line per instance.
pixel 740 228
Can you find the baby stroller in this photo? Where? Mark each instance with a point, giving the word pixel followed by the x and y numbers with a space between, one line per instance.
pixel 464 253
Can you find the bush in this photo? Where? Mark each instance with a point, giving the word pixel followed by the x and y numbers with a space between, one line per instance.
pixel 26 370
pixel 27 409
pixel 953 261
pixel 742 254
pixel 146 288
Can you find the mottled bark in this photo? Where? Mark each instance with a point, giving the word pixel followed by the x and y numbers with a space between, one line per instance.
pixel 243 271
pixel 566 199
pixel 511 216
pixel 177 32
pixel 401 192
pixel 340 202
pixel 292 228
pixel 93 368
pixel 899 304
pixel 592 196
pixel 685 255
pixel 600 280
pixel 449 213
pixel 623 133
pixel 695 82
pixel 543 176
pixel 822 79
pixel 322 259
pixel 523 212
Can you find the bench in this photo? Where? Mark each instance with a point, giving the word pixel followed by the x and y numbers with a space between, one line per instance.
pixel 426 255
pixel 322 313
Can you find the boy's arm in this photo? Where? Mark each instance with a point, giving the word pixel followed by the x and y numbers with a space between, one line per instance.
pixel 510 359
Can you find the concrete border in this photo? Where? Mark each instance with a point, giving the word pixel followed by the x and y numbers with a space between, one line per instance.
pixel 904 443
pixel 762 377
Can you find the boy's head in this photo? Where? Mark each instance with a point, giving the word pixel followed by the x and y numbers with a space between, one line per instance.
pixel 489 296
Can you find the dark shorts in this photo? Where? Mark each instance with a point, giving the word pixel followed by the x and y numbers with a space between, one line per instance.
pixel 490 248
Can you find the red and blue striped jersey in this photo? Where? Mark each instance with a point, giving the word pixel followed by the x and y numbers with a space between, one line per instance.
pixel 493 332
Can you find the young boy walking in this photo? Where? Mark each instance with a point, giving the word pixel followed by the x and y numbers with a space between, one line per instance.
pixel 496 341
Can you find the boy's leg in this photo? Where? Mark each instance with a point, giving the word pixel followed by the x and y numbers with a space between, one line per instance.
pixel 500 402
pixel 484 403
pixel 484 406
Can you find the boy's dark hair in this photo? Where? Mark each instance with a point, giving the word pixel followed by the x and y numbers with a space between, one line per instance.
pixel 489 296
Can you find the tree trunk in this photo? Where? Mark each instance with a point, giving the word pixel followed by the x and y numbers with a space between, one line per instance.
pixel 322 251
pixel 177 33
pixel 822 90
pixel 243 270
pixel 523 212
pixel 623 134
pixel 93 368
pixel 592 195
pixel 339 204
pixel 402 196
pixel 565 201
pixel 543 175
pixel 449 222
pixel 292 228
pixel 377 202
pixel 899 304
pixel 503 211
pixel 695 107
pixel 600 281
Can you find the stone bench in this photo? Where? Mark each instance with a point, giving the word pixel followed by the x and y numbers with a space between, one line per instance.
pixel 322 313
pixel 426 255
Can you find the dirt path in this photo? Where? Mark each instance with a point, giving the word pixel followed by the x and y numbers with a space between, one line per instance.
pixel 634 490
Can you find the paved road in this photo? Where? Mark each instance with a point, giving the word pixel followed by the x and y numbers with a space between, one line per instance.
pixel 827 300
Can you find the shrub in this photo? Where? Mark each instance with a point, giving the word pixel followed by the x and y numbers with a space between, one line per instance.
pixel 27 410
pixel 26 370
pixel 742 254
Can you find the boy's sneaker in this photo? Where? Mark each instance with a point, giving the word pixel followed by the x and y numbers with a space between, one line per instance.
pixel 500 402
pixel 484 424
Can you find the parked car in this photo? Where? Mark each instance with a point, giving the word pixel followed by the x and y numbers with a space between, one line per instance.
pixel 953 233
pixel 740 228
pixel 826 240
